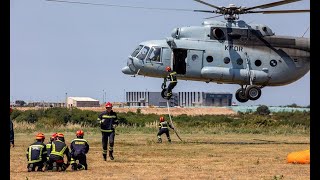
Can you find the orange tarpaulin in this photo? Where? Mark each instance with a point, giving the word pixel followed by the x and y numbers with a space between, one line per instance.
pixel 299 157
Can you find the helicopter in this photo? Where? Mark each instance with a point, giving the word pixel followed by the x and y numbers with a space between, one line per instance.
pixel 226 52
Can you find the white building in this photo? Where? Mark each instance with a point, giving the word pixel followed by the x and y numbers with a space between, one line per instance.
pixel 82 102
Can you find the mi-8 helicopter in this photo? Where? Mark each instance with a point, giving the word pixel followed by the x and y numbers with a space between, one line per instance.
pixel 232 52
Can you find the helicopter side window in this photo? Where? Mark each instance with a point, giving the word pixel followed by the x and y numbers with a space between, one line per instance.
pixel 154 54
pixel 136 51
pixel 143 53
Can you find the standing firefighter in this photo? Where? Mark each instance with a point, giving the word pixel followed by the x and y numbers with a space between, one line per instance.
pixel 58 150
pixel 37 154
pixel 163 128
pixel 11 131
pixel 173 82
pixel 79 149
pixel 108 121
pixel 48 146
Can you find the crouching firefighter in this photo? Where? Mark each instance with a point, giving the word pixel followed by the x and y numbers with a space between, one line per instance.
pixel 79 149
pixel 163 128
pixel 37 154
pixel 58 150
pixel 173 82
pixel 48 146
pixel 108 121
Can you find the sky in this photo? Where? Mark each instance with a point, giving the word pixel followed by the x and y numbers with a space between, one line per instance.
pixel 59 49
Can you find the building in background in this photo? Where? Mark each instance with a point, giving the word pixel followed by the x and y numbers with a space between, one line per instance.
pixel 149 99
pixel 82 102
pixel 189 99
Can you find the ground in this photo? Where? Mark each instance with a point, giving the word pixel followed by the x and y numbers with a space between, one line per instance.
pixel 199 156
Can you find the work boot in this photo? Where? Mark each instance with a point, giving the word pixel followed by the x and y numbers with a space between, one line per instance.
pixel 30 167
pixel 104 157
pixel 54 166
pixel 111 155
pixel 74 167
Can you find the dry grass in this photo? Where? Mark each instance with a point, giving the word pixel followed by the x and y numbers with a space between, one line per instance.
pixel 201 156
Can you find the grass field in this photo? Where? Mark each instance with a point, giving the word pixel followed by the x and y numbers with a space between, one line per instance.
pixel 199 156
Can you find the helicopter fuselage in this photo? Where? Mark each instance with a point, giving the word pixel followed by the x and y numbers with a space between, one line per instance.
pixel 231 52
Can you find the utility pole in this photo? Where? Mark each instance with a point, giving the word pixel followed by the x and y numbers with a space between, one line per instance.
pixel 66 103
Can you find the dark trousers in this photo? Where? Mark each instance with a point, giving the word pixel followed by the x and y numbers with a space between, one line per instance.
pixel 81 158
pixel 107 136
pixel 171 86
pixel 37 164
pixel 56 162
pixel 164 130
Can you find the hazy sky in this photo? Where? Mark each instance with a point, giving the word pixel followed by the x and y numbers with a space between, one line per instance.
pixel 58 48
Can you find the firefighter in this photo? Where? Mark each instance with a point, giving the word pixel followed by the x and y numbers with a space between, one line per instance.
pixel 58 150
pixel 48 146
pixel 37 154
pixel 163 128
pixel 11 130
pixel 173 81
pixel 79 149
pixel 108 121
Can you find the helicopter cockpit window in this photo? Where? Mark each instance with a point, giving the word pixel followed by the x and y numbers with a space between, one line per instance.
pixel 136 51
pixel 154 54
pixel 143 53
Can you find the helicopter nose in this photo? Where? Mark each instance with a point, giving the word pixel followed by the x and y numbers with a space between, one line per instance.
pixel 127 70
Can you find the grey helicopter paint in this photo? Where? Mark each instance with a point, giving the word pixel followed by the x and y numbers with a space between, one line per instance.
pixel 231 52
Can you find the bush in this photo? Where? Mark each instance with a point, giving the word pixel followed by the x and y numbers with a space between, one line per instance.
pixel 263 110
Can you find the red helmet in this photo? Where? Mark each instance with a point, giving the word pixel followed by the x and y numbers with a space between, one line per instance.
pixel 161 119
pixel 60 135
pixel 40 136
pixel 79 133
pixel 10 109
pixel 168 69
pixel 54 135
pixel 108 105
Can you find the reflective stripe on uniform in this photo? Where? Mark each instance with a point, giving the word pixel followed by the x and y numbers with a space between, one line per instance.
pixel 79 140
pixel 54 152
pixel 106 116
pixel 102 130
pixel 40 154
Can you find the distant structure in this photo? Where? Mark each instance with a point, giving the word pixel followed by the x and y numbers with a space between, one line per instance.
pixel 188 99
pixel 82 102
pixel 149 99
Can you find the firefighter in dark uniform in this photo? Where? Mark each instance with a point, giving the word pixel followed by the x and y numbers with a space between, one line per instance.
pixel 164 128
pixel 108 121
pixel 37 154
pixel 11 130
pixel 79 149
pixel 173 81
pixel 48 146
pixel 58 150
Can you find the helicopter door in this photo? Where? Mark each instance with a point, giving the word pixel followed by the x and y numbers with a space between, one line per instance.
pixel 194 63
pixel 179 61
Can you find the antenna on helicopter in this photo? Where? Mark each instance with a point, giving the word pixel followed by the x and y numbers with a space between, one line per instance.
pixel 232 12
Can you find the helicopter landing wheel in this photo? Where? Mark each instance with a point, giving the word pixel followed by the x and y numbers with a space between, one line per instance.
pixel 240 95
pixel 253 92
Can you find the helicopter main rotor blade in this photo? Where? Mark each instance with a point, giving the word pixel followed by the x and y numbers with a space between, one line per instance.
pixel 278 3
pixel 280 11
pixel 119 6
pixel 211 5
pixel 206 11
